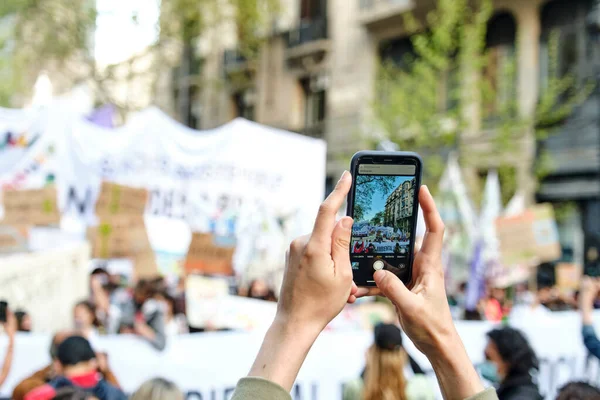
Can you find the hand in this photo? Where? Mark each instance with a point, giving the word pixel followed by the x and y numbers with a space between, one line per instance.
pixel 588 291
pixel 144 330
pixel 318 278
pixel 10 326
pixel 102 359
pixel 424 312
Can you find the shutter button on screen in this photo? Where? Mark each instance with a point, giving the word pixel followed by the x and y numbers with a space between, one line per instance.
pixel 377 265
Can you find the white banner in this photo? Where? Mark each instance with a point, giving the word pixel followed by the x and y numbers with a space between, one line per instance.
pixel 46 284
pixel 207 366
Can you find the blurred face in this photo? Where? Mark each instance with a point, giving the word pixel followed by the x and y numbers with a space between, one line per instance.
pixel 26 323
pixel 493 356
pixel 259 289
pixel 83 317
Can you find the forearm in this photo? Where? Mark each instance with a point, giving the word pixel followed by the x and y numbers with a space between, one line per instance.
pixel 454 370
pixel 7 361
pixel 586 314
pixel 282 353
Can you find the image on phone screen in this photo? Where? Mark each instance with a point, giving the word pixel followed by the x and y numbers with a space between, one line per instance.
pixel 384 212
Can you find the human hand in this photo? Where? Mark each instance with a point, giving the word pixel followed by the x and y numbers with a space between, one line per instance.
pixel 588 292
pixel 423 310
pixel 143 329
pixel 318 277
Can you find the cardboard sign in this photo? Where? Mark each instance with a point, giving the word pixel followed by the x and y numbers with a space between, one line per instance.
pixel 207 256
pixel 568 276
pixel 117 199
pixel 529 237
pixel 119 237
pixel 31 207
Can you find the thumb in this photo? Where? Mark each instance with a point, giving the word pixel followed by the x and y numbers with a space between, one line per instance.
pixel 392 288
pixel 340 242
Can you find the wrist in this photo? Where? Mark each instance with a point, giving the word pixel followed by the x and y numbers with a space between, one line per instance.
pixel 288 328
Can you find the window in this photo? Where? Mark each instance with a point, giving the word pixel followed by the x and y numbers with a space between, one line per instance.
pixel 243 102
pixel 312 9
pixel 314 107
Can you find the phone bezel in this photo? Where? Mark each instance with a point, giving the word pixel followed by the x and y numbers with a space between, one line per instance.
pixel 393 158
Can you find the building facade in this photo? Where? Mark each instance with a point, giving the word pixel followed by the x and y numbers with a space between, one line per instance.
pixel 399 207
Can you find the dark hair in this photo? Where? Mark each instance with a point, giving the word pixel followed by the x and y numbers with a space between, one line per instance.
pixel 92 309
pixel 388 337
pixel 99 271
pixel 145 288
pixel 514 350
pixel 169 299
pixel 578 391
pixel 71 393
pixel 20 316
pixel 75 350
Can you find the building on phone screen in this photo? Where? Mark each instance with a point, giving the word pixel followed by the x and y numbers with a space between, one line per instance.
pixel 399 206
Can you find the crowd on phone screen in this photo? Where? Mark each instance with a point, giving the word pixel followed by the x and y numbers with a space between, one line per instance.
pixel 155 311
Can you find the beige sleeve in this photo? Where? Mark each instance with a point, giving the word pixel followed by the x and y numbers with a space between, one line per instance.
pixel 488 394
pixel 252 388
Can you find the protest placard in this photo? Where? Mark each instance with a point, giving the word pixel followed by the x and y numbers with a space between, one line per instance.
pixel 203 296
pixel 530 237
pixel 209 254
pixel 31 207
pixel 117 199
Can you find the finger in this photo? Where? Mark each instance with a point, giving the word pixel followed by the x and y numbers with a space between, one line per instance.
pixel 367 291
pixel 351 299
pixel 392 288
pixel 325 221
pixel 434 236
pixel 340 246
pixel 354 289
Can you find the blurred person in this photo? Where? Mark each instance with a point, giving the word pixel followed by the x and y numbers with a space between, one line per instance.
pixel 511 364
pixel 175 323
pixel 46 374
pixel 23 321
pixel 317 284
pixel 142 315
pixel 390 373
pixel 260 290
pixel 85 320
pixel 10 328
pixel 590 287
pixel 158 389
pixel 77 367
pixel 69 393
pixel 578 391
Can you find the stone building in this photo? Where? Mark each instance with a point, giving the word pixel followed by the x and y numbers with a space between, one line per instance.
pixel 399 206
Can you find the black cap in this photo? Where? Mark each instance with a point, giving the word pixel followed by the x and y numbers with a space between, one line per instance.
pixel 75 350
pixel 388 337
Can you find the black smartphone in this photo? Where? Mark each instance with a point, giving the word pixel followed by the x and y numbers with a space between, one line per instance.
pixel 384 204
pixel 591 262
pixel 3 309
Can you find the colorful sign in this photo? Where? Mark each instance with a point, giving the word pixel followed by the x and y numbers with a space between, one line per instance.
pixel 209 254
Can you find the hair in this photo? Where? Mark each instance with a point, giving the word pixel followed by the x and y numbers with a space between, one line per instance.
pixel 514 350
pixel 158 389
pixel 71 393
pixel 20 316
pixel 578 391
pixel 75 350
pixel 145 288
pixel 92 309
pixel 384 374
pixel 169 299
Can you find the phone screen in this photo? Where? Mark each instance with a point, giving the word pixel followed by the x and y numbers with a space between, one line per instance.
pixel 384 209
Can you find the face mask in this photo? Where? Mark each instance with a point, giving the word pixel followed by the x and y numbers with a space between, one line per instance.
pixel 489 371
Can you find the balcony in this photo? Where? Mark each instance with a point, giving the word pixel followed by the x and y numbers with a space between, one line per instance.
pixel 380 14
pixel 238 69
pixel 308 44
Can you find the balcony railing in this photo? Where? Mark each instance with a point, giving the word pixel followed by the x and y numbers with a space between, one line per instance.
pixel 233 59
pixel 308 31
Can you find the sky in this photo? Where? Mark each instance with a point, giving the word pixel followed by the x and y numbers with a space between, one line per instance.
pixel 379 197
pixel 117 37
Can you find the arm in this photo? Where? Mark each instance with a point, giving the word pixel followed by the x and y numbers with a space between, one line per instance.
pixel 589 289
pixel 154 331
pixel 10 327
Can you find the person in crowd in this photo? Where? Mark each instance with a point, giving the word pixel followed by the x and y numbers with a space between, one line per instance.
pixel 588 292
pixel 511 364
pixel 551 298
pixel 86 320
pixel 158 389
pixel 23 321
pixel 10 328
pixel 50 372
pixel 78 368
pixel 578 391
pixel 70 393
pixel 175 323
pixel 261 291
pixel 142 315
pixel 317 284
pixel 390 373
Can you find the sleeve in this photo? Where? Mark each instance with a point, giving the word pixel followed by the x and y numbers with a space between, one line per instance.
pixel 252 388
pixel 157 323
pixel 590 340
pixel 488 394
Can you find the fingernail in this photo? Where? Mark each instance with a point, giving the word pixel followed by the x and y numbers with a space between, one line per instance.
pixel 344 176
pixel 347 223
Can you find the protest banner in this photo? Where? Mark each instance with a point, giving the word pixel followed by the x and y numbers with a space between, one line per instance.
pixel 206 255
pixel 529 237
pixel 117 199
pixel 31 207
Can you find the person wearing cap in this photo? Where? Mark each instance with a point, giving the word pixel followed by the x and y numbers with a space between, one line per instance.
pixel 390 373
pixel 317 285
pixel 78 368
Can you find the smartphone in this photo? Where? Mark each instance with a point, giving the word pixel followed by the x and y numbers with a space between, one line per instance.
pixel 384 204
pixel 3 309
pixel 591 265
